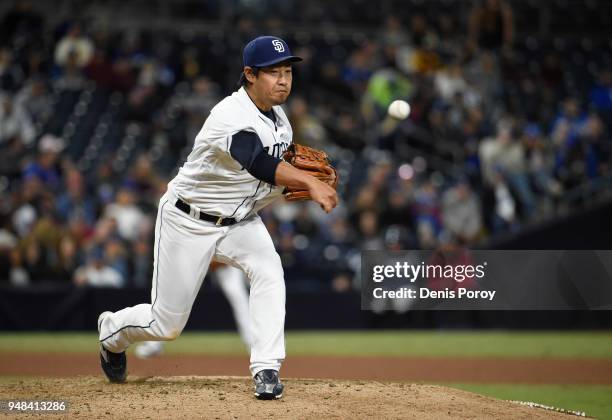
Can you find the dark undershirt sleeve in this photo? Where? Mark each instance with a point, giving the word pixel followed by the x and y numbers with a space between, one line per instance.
pixel 248 150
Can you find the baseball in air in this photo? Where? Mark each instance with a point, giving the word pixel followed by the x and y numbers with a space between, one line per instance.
pixel 399 109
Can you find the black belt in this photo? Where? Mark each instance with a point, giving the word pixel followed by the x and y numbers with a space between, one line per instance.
pixel 217 220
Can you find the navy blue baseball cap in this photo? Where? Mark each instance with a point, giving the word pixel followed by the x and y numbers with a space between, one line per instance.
pixel 266 51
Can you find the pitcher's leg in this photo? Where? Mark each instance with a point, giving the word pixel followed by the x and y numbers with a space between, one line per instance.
pixel 267 314
pixel 183 250
pixel 232 282
pixel 249 246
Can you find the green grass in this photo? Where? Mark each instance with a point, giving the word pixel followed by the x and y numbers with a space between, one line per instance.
pixel 581 345
pixel 594 400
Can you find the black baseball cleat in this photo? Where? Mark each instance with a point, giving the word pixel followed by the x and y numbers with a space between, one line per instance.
pixel 267 385
pixel 114 365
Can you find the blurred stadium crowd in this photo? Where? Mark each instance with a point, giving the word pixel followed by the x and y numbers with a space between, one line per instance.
pixel 510 124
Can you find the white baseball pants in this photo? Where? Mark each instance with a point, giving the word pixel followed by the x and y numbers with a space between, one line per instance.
pixel 231 281
pixel 184 248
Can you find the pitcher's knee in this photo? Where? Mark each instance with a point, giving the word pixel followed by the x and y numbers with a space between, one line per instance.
pixel 169 325
pixel 169 333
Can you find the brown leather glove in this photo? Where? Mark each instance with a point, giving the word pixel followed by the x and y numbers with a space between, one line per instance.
pixel 313 161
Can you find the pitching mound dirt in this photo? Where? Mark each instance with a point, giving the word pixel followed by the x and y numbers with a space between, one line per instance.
pixel 191 397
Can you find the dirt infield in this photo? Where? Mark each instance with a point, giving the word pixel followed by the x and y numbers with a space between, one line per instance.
pixel 485 370
pixel 231 398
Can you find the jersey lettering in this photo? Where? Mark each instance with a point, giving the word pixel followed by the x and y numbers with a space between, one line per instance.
pixel 278 149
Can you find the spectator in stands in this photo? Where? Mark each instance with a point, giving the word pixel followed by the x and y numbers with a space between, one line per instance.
pixel 14 122
pixel 105 183
pixel 12 155
pixel 141 263
pixel 484 82
pixel 504 155
pixel 11 75
pixel 148 95
pixel 500 204
pixel 74 48
pixel 427 213
pixel 123 77
pixel 370 232
pixel 601 96
pixel 73 201
pixel 567 127
pixel 421 56
pixel 68 260
pixel 126 213
pixel 97 273
pixel 596 146
pixel 35 99
pixel 145 183
pixel 105 230
pixel 574 116
pixel 40 248
pixel 24 207
pixel 461 213
pixel 116 255
pixel 449 81
pixel 100 69
pixel 46 168
pixel 540 161
pixel 80 231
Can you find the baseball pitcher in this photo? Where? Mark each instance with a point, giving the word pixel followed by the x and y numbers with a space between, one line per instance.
pixel 209 212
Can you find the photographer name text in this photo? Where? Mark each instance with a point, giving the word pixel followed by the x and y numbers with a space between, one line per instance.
pixel 426 293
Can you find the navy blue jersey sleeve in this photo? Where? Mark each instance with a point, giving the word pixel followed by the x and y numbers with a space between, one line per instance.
pixel 248 150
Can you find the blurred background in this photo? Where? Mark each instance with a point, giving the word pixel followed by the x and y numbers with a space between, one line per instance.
pixel 508 143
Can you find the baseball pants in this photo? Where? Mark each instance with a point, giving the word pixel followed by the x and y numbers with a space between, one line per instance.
pixel 231 281
pixel 184 248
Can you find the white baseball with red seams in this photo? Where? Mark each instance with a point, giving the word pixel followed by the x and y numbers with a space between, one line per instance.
pixel 212 182
pixel 399 109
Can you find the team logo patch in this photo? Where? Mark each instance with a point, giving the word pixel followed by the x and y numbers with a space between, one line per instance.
pixel 278 45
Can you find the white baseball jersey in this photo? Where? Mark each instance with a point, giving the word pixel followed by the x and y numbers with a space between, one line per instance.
pixel 211 179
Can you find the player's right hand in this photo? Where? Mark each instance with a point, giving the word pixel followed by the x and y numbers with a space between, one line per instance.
pixel 323 194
